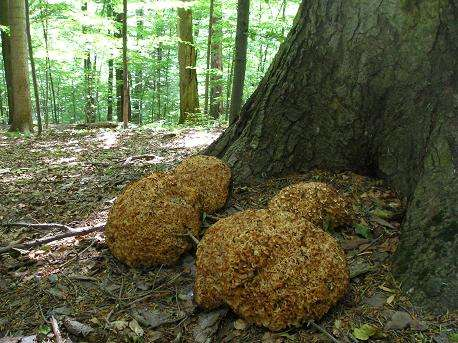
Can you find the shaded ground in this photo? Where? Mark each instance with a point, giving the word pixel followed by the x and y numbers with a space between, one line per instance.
pixel 72 177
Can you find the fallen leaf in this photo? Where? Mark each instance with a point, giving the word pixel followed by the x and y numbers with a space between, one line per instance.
pixel 76 328
pixel 119 325
pixel 240 324
pixel 384 214
pixel 135 327
pixel 207 325
pixel 399 320
pixel 364 332
pixel 386 289
pixel 390 299
pixel 363 231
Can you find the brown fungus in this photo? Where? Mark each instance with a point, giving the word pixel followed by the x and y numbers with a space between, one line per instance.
pixel 209 176
pixel 271 268
pixel 149 221
pixel 316 202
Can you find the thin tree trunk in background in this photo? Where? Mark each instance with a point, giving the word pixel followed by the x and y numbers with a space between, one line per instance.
pixel 189 100
pixel 6 53
pixel 119 70
pixel 229 85
pixel 216 74
pixel 138 80
pixel 167 78
pixel 53 99
pixel 241 44
pixel 125 93
pixel 73 102
pixel 110 71
pixel 158 77
pixel 110 91
pixel 2 113
pixel 47 62
pixel 22 112
pixel 32 65
pixel 88 77
pixel 209 52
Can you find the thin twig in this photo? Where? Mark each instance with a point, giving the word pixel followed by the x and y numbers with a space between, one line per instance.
pixel 194 239
pixel 318 327
pixel 39 225
pixel 55 330
pixel 44 240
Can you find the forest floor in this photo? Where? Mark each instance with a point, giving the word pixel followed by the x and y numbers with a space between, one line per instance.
pixel 72 177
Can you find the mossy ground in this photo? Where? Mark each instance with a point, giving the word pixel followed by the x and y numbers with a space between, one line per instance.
pixel 72 177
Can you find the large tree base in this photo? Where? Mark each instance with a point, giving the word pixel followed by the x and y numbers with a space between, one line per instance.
pixel 368 86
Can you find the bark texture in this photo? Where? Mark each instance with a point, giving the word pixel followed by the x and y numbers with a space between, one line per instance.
pixel 241 45
pixel 189 100
pixel 6 51
pixel 370 86
pixel 22 108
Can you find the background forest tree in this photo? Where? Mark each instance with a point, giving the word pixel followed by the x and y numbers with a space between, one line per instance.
pixel 77 49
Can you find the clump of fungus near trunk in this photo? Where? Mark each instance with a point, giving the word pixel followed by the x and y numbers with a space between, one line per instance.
pixel 316 202
pixel 272 268
pixel 211 178
pixel 149 222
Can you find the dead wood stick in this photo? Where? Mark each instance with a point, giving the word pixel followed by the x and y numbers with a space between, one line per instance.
pixel 40 225
pixel 55 330
pixel 40 241
pixel 322 330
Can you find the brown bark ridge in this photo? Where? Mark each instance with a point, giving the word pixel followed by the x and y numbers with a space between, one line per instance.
pixel 369 86
pixel 241 45
pixel 6 57
pixel 189 100
pixel 216 74
pixel 22 109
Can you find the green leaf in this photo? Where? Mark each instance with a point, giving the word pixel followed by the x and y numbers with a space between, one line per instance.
pixel 384 214
pixel 363 231
pixel 453 337
pixel 44 329
pixel 364 332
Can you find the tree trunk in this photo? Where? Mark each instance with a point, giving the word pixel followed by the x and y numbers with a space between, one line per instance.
pixel 109 13
pixel 32 67
pixel 189 100
pixel 241 44
pixel 22 109
pixel 6 53
pixel 110 91
pixel 368 86
pixel 209 47
pixel 216 74
pixel 125 88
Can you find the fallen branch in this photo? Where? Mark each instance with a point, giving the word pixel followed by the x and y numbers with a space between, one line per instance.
pixel 39 226
pixel 44 240
pixel 55 330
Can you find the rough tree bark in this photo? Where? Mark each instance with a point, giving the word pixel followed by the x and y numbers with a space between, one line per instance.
pixel 370 86
pixel 241 45
pixel 33 69
pixel 22 109
pixel 216 73
pixel 6 52
pixel 189 100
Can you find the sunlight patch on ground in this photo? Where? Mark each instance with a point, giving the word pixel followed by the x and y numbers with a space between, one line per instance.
pixel 108 138
pixel 196 138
